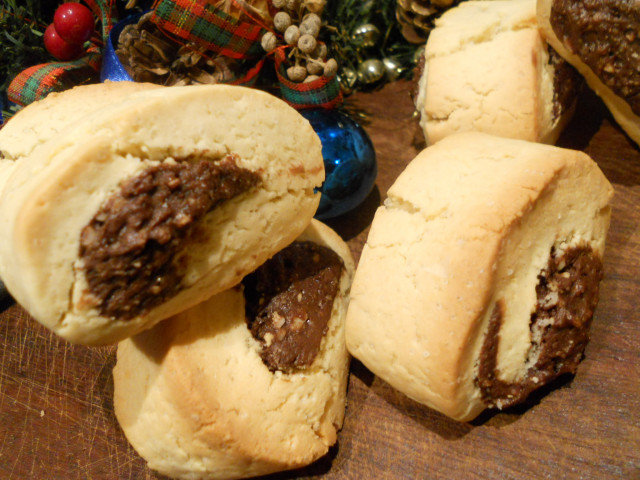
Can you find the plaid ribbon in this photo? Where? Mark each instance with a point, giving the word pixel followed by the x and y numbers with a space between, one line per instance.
pixel 38 81
pixel 202 22
pixel 105 11
pixel 321 93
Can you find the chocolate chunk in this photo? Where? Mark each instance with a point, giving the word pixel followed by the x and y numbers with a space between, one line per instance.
pixel 288 303
pixel 130 248
pixel 567 83
pixel 567 295
pixel 604 35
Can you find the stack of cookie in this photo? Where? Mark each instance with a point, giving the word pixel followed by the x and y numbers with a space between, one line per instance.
pixel 179 222
pixel 125 205
pixel 491 243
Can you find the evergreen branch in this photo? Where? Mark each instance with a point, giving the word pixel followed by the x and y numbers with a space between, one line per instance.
pixel 20 25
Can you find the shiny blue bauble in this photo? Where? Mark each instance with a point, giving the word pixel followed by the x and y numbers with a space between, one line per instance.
pixel 349 161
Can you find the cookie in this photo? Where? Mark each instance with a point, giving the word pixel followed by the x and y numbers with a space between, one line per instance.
pixel 199 395
pixel 480 274
pixel 152 204
pixel 600 39
pixel 487 69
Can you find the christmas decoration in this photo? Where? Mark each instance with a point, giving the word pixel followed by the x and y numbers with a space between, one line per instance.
pixel 38 81
pixel 21 29
pixel 213 46
pixel 74 23
pixel 299 24
pixel 228 27
pixel 366 36
pixel 320 39
pixel 150 56
pixel 393 68
pixel 112 69
pixel 59 47
pixel 416 17
pixel 349 161
pixel 348 79
pixel 360 31
pixel 370 71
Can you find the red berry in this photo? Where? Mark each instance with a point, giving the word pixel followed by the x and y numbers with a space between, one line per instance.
pixel 74 22
pixel 57 47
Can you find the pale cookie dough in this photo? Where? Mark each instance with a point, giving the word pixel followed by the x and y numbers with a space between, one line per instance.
pixel 486 68
pixel 54 115
pixel 43 120
pixel 473 255
pixel 152 204
pixel 600 39
pixel 196 401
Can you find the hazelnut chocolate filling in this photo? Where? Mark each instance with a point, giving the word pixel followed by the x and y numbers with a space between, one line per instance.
pixel 288 303
pixel 567 295
pixel 130 249
pixel 604 34
pixel 566 83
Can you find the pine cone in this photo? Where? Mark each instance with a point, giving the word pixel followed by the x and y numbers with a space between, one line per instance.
pixel 150 56
pixel 144 53
pixel 416 17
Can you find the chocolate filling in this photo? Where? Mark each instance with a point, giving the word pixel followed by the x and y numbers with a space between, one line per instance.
pixel 567 295
pixel 131 248
pixel 604 34
pixel 566 83
pixel 288 303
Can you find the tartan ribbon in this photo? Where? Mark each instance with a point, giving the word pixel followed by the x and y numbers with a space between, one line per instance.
pixel 104 10
pixel 321 93
pixel 250 78
pixel 202 22
pixel 38 81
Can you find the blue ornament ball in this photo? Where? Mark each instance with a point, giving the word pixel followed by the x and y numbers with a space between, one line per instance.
pixel 349 161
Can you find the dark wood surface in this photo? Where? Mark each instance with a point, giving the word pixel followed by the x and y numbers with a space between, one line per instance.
pixel 56 410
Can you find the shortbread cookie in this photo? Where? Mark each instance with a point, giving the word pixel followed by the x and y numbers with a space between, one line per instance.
pixel 480 274
pixel 600 39
pixel 153 204
pixel 487 69
pixel 210 394
pixel 54 115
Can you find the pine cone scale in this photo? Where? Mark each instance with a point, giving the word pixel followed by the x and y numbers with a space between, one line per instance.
pixel 416 17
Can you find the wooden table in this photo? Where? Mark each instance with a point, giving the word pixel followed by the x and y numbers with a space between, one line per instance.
pixel 56 410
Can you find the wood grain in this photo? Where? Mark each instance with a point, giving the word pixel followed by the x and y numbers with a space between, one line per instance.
pixel 56 411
